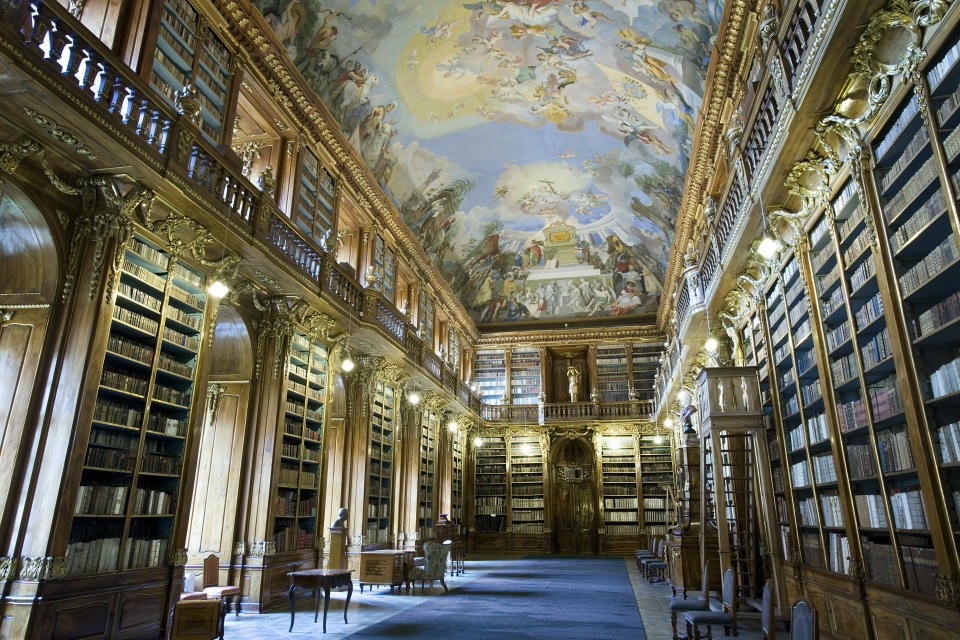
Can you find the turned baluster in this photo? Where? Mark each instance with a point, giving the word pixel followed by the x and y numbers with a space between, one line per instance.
pixel 117 95
pixel 74 59
pixel 18 14
pixel 88 75
pixel 132 116
pixel 42 25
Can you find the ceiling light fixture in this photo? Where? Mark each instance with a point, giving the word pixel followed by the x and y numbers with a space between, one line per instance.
pixel 526 449
pixel 347 363
pixel 452 426
pixel 413 398
pixel 218 288
pixel 668 422
pixel 478 441
pixel 768 247
pixel 711 345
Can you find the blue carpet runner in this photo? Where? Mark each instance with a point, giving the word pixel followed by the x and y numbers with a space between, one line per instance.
pixel 555 597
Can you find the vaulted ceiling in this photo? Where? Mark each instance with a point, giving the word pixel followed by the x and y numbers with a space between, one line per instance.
pixel 537 148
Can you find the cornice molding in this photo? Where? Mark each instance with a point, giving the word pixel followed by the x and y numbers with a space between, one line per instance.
pixel 565 337
pixel 278 73
pixel 706 142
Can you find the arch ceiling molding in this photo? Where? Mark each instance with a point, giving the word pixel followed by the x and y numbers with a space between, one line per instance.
pixel 536 148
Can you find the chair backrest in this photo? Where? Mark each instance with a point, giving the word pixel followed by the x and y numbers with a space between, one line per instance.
pixel 659 551
pixel 767 626
pixel 211 571
pixel 728 593
pixel 803 622
pixel 196 620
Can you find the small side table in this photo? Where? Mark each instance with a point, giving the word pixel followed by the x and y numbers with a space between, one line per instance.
pixel 317 579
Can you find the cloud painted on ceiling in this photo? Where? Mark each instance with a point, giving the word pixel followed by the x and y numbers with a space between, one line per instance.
pixel 537 148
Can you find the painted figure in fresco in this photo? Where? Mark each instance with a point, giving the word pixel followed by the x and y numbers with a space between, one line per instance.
pixel 288 24
pixel 534 253
pixel 573 382
pixel 324 36
pixel 627 301
pixel 587 17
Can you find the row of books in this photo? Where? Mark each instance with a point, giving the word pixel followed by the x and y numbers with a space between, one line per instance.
pixel 114 412
pixel 933 263
pixel 909 111
pixel 191 320
pixel 881 563
pixel 152 501
pixel 839 334
pixel 622 529
pixel 160 423
pixel 823 469
pixel 527 527
pixel 138 320
pixel 876 349
pixel 870 510
pixel 885 398
pixel 535 489
pixel 831 511
pixel 856 248
pixel 936 316
pixel 893 445
pixel 101 499
pixel 861 274
pixel 861 461
pixel 169 364
pixel 623 516
pixel 945 379
pixel 949 438
pixel 853 415
pixel 156 463
pixel 123 380
pixel 171 395
pixel 187 275
pixel 526 503
pixel 179 338
pixel 92 556
pixel 293 538
pixel 907 507
pixel 143 274
pixel 526 514
pixel 929 210
pixel 807 512
pixel 620 503
pixel 799 474
pixel 844 368
pixel 937 73
pixel 908 193
pixel 139 296
pixel 148 253
pixel 888 176
pixel 838 550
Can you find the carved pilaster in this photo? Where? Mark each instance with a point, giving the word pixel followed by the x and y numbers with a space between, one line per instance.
pixel 34 568
pixel 178 557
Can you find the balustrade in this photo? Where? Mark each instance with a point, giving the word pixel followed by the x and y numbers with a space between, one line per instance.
pixel 802 25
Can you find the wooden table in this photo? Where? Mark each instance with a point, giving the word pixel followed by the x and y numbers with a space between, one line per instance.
pixel 317 579
pixel 384 566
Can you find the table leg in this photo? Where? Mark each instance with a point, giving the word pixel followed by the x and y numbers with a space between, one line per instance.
pixel 347 603
pixel 293 608
pixel 326 605
pixel 316 603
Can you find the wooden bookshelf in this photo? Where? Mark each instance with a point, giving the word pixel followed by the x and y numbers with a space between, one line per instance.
pixel 619 487
pixel 314 211
pixel 490 374
pixel 380 465
pixel 526 505
pixel 456 492
pixel 425 317
pixel 656 470
pixel 490 490
pixel 426 498
pixel 612 380
pixel 298 494
pixel 384 263
pixel 525 374
pixel 188 52
pixel 643 369
pixel 127 498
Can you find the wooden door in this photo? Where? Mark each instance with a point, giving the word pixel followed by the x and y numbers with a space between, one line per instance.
pixel 574 497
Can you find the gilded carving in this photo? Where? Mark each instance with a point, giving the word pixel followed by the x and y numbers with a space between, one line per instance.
pixel 34 568
pixel 769 25
pixel 61 134
pixel 187 102
pixel 239 548
pixel 213 399
pixel 948 590
pixel 106 218
pixel 8 568
pixel 267 279
pixel 267 182
pixel 13 153
pixel 262 549
pixel 178 557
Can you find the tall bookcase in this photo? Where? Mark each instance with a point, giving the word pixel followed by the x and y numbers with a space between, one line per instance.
pixel 314 214
pixel 456 489
pixel 188 52
pixel 490 374
pixel 127 499
pixel 524 375
pixel 490 485
pixel 656 469
pixel 612 382
pixel 384 262
pixel 298 488
pixel 645 361
pixel 380 465
pixel 526 485
pixel 618 465
pixel 428 475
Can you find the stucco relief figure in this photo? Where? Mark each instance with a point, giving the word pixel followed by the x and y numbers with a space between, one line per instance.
pixel 573 379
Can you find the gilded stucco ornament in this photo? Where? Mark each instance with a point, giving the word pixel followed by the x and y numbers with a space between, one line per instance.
pixel 8 568
pixel 948 590
pixel 279 325
pixel 61 134
pixel 187 102
pixel 106 216
pixel 769 25
pixel 34 568
pixel 13 153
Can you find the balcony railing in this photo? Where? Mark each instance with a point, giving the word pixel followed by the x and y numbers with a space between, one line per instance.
pixel 73 63
pixel 559 412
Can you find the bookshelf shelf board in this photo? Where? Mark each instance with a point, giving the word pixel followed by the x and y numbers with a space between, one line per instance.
pixel 98 516
pixel 938 286
pixel 130 330
pixel 843 349
pixel 120 393
pixel 140 283
pixel 174 377
pixel 184 305
pixel 873 327
pixel 128 361
pixel 182 327
pixel 169 405
pixel 885 421
pixel 152 516
pixel 865 290
pixel 125 472
pixel 835 317
pixel 945 334
pixel 880 370
pixel 116 427
pixel 926 238
pixel 177 349
pixel 950 399
pixel 140 307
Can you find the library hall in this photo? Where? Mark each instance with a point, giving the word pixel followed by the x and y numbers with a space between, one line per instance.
pixel 467 319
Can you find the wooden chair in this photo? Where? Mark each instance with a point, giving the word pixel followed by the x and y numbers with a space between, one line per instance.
pixel 804 624
pixel 682 604
pixel 434 565
pixel 768 622
pixel 197 620
pixel 655 557
pixel 646 554
pixel 211 584
pixel 656 568
pixel 726 617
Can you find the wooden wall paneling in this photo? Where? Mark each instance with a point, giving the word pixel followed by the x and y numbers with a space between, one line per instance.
pixel 334 438
pixel 356 456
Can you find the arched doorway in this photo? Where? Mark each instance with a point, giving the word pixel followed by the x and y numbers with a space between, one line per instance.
pixel 575 497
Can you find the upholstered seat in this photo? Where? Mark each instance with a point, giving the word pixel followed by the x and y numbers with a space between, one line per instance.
pixel 434 565
pixel 727 617
pixel 679 604
pixel 688 604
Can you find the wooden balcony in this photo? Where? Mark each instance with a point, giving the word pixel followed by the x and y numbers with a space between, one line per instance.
pixel 566 412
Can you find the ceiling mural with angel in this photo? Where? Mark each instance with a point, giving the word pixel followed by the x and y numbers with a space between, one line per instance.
pixel 537 148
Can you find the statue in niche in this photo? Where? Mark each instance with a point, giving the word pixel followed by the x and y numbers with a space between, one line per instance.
pixel 341 521
pixel 573 380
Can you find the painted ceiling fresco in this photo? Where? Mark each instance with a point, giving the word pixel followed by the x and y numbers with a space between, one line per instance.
pixel 537 148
